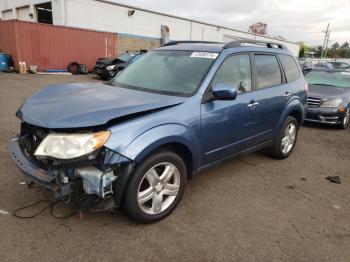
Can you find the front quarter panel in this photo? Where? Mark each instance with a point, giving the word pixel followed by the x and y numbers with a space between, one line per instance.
pixel 161 135
pixel 135 138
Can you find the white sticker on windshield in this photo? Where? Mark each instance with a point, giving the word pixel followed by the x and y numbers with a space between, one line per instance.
pixel 345 73
pixel 208 55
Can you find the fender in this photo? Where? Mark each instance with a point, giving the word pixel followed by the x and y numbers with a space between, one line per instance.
pixel 148 141
pixel 293 104
pixel 160 135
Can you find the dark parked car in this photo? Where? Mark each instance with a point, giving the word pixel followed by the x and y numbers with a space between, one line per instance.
pixel 107 68
pixel 337 65
pixel 329 96
pixel 340 65
pixel 179 109
pixel 305 66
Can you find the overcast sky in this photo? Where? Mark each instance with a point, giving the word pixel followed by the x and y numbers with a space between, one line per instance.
pixel 295 20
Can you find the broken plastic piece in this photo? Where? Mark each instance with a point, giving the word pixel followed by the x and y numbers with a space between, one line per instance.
pixel 334 179
pixel 3 212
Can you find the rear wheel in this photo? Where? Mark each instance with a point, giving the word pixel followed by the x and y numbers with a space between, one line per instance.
pixel 286 139
pixel 156 187
pixel 346 118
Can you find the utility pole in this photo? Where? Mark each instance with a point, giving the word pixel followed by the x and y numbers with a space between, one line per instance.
pixel 325 52
pixel 325 41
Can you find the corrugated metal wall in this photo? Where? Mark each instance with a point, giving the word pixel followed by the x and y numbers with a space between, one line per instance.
pixel 53 47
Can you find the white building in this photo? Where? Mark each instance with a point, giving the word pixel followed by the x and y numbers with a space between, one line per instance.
pixel 137 28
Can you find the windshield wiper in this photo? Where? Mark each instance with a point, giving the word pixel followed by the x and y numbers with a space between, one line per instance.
pixel 322 85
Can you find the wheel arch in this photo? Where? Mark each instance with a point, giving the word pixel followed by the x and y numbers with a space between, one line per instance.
pixel 177 138
pixel 295 109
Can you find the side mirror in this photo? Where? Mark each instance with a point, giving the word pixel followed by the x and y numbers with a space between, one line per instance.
pixel 224 92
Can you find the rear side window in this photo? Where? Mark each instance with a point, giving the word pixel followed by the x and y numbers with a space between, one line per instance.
pixel 268 71
pixel 290 68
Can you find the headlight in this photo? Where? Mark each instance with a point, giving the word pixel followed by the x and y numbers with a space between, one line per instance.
pixel 111 67
pixel 332 103
pixel 67 146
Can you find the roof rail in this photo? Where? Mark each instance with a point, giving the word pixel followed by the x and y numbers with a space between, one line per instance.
pixel 238 43
pixel 190 42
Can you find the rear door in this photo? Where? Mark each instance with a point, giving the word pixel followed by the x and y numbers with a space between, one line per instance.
pixel 270 95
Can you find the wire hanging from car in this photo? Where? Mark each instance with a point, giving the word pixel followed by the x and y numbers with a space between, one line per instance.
pixel 50 205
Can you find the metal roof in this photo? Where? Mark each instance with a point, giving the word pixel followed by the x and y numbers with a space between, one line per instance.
pixel 190 20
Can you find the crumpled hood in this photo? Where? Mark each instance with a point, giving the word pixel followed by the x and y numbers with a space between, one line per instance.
pixel 88 104
pixel 109 61
pixel 321 91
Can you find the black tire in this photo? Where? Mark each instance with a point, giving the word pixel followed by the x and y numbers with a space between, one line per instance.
pixel 130 198
pixel 74 68
pixel 345 119
pixel 276 150
pixel 84 69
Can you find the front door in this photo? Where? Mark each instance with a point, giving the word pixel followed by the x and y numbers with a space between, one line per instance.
pixel 230 126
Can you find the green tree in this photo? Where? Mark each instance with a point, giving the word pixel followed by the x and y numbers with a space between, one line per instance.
pixel 302 52
pixel 345 50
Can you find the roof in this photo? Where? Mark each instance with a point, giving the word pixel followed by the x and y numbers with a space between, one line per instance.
pixel 257 46
pixel 191 20
pixel 194 47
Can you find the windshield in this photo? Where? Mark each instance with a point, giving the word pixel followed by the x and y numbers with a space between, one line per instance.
pixel 167 72
pixel 125 57
pixel 337 79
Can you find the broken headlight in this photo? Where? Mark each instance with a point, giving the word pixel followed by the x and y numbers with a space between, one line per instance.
pixel 111 67
pixel 68 146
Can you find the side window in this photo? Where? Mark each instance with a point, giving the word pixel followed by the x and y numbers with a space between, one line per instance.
pixel 290 67
pixel 235 70
pixel 268 71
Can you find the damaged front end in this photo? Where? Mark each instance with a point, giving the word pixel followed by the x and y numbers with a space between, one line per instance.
pixel 93 181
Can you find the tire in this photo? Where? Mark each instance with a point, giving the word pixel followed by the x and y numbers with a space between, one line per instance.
pixel 345 119
pixel 84 70
pixel 74 68
pixel 279 149
pixel 155 204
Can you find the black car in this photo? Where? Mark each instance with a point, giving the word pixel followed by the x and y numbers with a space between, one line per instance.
pixel 329 96
pixel 337 65
pixel 305 66
pixel 107 68
pixel 340 65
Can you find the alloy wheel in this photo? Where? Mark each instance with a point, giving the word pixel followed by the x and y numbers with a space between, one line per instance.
pixel 288 139
pixel 346 117
pixel 158 188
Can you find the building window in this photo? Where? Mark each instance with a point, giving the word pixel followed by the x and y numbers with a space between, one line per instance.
pixel 44 13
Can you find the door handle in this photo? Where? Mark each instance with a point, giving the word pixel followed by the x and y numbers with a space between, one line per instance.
pixel 252 104
pixel 287 94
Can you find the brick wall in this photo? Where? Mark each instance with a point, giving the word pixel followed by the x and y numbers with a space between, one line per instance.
pixel 127 43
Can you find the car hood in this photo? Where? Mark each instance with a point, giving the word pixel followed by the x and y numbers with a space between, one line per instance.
pixel 88 105
pixel 109 61
pixel 321 91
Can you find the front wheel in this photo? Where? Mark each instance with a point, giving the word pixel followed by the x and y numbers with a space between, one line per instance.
pixel 346 118
pixel 286 139
pixel 156 187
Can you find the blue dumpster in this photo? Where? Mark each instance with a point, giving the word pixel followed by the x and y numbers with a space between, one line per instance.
pixel 4 61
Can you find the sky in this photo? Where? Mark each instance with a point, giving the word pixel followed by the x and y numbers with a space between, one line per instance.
pixel 295 20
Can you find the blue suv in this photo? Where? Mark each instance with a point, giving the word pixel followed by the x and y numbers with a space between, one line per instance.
pixel 134 141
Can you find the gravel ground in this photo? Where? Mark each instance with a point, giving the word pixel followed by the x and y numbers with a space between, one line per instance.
pixel 250 209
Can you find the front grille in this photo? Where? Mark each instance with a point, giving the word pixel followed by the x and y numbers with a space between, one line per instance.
pixel 313 102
